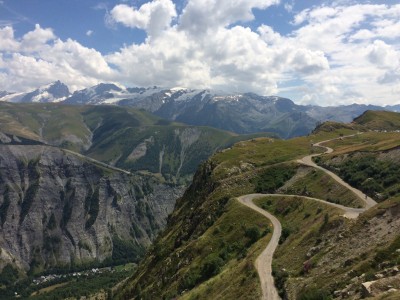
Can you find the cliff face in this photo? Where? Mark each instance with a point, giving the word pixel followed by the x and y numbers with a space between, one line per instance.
pixel 58 209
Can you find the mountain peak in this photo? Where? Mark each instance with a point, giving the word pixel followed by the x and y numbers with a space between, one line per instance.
pixel 52 92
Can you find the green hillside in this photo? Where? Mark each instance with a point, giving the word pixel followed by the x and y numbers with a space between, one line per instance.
pixel 127 138
pixel 211 241
pixel 379 120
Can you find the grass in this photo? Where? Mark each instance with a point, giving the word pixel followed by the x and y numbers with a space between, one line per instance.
pixel 317 184
pixel 260 152
pixel 376 174
pixel 367 141
pixel 329 130
pixel 48 289
pixel 302 221
pixel 225 247
pixel 313 231
pixel 238 278
pixel 379 120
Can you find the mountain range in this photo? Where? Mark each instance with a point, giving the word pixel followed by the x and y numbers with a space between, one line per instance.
pixel 239 113
pixel 84 186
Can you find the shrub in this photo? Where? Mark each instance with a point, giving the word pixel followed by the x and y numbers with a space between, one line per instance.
pixel 253 233
pixel 273 178
pixel 280 277
pixel 8 275
pixel 190 279
pixel 212 266
pixel 286 231
pixel 125 251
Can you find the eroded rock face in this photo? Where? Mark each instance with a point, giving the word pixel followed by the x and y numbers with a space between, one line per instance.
pixel 58 209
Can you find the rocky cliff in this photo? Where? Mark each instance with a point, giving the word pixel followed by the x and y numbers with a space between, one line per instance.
pixel 58 209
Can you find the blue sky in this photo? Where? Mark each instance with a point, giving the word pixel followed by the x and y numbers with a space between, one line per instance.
pixel 314 52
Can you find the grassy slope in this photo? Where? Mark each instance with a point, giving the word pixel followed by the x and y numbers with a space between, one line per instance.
pixel 379 120
pixel 317 184
pixel 111 133
pixel 368 162
pixel 302 223
pixel 234 172
pixel 334 256
pixel 227 174
pixel 42 121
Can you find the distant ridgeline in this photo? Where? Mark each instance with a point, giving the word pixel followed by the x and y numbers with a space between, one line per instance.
pixel 240 113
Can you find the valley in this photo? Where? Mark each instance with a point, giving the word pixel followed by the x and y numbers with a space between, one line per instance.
pixel 88 187
pixel 199 150
pixel 115 194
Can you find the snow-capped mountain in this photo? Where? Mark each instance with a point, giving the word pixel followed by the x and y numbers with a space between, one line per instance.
pixel 241 113
pixel 109 93
pixel 53 92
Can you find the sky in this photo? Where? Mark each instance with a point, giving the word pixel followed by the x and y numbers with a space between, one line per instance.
pixel 311 51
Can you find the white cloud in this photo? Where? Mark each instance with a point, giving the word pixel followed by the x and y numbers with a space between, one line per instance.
pixel 363 65
pixel 269 35
pixel 308 62
pixel 335 54
pixel 8 42
pixel 200 17
pixel 288 6
pixel 89 32
pixel 33 40
pixel 39 57
pixel 383 55
pixel 154 17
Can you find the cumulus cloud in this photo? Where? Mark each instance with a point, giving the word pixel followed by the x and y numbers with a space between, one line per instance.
pixel 89 32
pixel 8 42
pixel 33 40
pixel 154 17
pixel 309 62
pixel 268 34
pixel 200 17
pixel 206 52
pixel 383 55
pixel 354 39
pixel 39 57
pixel 335 54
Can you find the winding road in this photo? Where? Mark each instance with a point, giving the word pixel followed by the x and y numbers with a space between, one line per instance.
pixel 307 160
pixel 264 260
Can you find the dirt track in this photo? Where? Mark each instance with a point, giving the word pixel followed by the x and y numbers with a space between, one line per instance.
pixel 264 260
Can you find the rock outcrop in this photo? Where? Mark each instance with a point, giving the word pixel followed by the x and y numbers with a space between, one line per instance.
pixel 58 209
